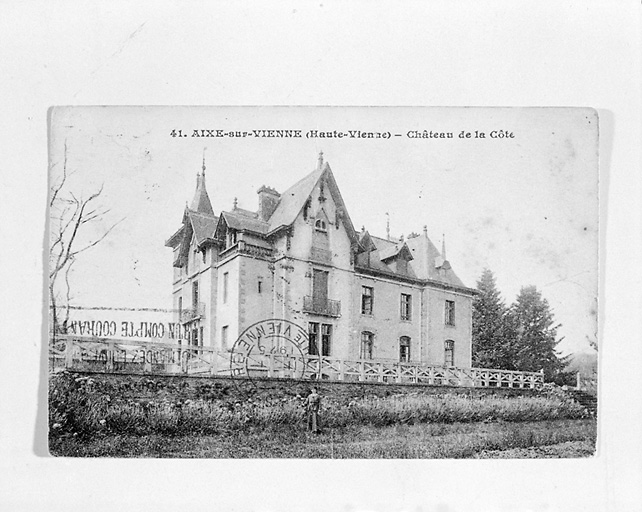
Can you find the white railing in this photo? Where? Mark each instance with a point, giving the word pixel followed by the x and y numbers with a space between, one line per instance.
pixel 123 356
pixel 419 373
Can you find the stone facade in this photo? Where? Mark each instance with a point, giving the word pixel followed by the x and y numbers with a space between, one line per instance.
pixel 299 258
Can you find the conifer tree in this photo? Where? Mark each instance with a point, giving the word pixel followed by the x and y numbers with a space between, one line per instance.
pixel 492 334
pixel 536 335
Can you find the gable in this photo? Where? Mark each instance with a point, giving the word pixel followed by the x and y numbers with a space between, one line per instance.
pixel 398 251
pixel 294 200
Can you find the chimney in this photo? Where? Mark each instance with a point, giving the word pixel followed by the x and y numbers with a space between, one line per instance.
pixel 268 201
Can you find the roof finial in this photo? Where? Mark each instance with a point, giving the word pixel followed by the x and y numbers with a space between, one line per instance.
pixel 426 230
pixel 236 202
pixel 443 246
pixel 320 159
pixel 387 226
pixel 204 161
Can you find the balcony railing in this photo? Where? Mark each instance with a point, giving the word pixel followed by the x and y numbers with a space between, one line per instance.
pixel 194 313
pixel 243 247
pixel 324 307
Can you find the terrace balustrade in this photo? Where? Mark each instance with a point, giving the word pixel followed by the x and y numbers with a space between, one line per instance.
pixel 125 356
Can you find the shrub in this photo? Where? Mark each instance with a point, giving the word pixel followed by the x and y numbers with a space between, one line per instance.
pixel 77 405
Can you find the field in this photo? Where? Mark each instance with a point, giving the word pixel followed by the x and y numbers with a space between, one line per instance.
pixel 87 420
pixel 557 439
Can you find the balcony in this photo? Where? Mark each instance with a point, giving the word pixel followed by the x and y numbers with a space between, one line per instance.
pixel 194 313
pixel 323 307
pixel 242 247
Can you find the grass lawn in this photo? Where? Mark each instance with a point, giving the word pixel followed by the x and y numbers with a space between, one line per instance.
pixel 554 438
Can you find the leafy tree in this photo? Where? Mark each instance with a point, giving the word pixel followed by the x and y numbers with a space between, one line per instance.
pixel 536 335
pixel 493 335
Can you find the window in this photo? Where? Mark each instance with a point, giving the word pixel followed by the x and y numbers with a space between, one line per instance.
pixel 200 338
pixel 404 349
pixel 313 338
pixel 224 337
pixel 195 294
pixel 367 339
pixel 187 264
pixel 450 312
pixel 320 225
pixel 449 353
pixel 326 339
pixel 194 339
pixel 315 330
pixel 320 287
pixel 259 286
pixel 406 306
pixel 225 282
pixel 230 238
pixel 180 305
pixel 204 255
pixel 367 300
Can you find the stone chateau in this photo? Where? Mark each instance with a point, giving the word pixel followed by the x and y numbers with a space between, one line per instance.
pixel 298 257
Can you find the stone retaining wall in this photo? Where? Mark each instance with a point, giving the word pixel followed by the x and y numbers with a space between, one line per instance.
pixel 141 386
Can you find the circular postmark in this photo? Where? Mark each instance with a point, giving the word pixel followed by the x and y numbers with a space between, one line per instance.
pixel 273 348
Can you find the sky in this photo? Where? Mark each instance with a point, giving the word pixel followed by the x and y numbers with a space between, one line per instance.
pixel 525 206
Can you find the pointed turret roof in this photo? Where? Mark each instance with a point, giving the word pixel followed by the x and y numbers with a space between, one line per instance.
pixel 201 202
pixel 198 219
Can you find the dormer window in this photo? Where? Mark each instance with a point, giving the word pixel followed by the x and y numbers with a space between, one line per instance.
pixel 231 238
pixel 320 225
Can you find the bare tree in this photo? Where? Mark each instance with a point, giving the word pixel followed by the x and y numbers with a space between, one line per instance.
pixel 69 216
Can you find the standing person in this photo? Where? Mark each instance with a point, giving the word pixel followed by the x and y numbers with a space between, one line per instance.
pixel 313 404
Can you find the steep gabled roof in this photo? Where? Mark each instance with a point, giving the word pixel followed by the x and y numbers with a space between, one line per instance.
pixel 176 238
pixel 426 263
pixel 429 263
pixel 199 225
pixel 243 222
pixel 293 200
pixel 198 219
pixel 399 250
pixel 366 242
pixel 203 225
pixel 384 243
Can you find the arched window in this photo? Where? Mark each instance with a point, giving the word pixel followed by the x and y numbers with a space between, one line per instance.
pixel 449 353
pixel 367 341
pixel 320 225
pixel 404 349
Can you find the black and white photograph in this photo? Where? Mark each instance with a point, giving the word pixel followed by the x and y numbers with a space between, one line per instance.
pixel 323 282
pixel 289 256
